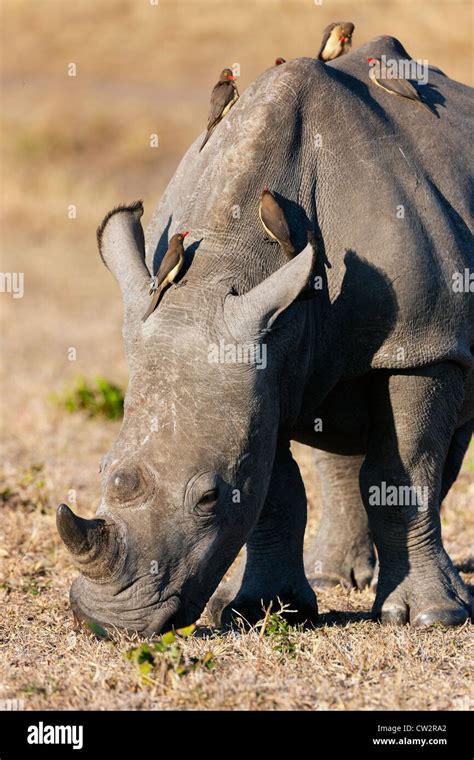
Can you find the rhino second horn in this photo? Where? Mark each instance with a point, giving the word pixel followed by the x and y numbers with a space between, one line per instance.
pixel 92 543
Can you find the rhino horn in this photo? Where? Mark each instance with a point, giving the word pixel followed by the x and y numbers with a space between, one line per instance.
pixel 94 544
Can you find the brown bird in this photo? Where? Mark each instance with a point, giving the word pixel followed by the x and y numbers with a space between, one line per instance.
pixel 170 267
pixel 337 40
pixel 223 97
pixel 279 61
pixel 274 222
pixel 394 85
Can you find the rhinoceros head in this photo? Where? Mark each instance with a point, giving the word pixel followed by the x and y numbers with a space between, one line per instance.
pixel 185 481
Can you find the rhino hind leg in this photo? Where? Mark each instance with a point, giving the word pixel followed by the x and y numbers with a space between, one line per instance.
pixel 274 570
pixel 342 551
pixel 413 418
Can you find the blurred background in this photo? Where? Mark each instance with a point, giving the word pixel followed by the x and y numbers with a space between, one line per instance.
pixel 142 67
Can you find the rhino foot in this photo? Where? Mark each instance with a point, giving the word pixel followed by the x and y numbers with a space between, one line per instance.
pixel 349 566
pixel 226 592
pixel 430 595
pixel 297 606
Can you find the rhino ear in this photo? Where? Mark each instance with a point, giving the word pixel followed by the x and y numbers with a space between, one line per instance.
pixel 122 249
pixel 251 315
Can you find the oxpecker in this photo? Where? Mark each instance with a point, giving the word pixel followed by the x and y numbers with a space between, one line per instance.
pixel 170 267
pixel 394 85
pixel 337 40
pixel 274 222
pixel 223 97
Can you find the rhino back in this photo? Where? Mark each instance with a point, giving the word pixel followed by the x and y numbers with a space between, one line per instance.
pixel 388 185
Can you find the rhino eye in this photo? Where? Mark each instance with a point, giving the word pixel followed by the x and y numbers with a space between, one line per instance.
pixel 126 484
pixel 207 502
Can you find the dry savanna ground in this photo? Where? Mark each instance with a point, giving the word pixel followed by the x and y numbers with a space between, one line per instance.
pixel 84 141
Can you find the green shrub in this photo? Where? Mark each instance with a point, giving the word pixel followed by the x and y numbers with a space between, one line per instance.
pixel 97 397
pixel 167 655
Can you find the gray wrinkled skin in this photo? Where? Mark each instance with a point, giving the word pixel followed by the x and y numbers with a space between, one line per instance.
pixel 382 355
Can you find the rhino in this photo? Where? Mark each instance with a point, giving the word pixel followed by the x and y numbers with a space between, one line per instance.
pixel 360 347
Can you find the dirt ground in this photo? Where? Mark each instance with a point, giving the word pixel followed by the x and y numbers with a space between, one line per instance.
pixel 84 142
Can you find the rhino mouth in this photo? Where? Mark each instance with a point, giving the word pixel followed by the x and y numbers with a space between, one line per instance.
pixel 154 618
pixel 108 592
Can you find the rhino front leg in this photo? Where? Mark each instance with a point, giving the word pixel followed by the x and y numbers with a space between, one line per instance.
pixel 413 416
pixel 342 552
pixel 274 569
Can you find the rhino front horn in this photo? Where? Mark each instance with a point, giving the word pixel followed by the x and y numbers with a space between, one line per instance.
pixel 94 544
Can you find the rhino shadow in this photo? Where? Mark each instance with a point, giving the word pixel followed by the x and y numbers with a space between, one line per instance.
pixel 351 309
pixel 356 87
pixel 161 246
pixel 342 618
pixel 431 96
pixel 346 332
pixel 299 224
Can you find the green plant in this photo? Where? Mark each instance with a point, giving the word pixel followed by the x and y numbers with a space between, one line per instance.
pixel 97 630
pixel 167 655
pixel 32 689
pixel 275 625
pixel 97 397
pixel 36 585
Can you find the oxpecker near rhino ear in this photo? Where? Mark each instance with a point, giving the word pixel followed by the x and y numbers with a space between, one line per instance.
pixel 122 249
pixel 251 315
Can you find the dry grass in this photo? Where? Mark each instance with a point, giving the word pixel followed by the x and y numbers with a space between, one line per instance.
pixel 348 662
pixel 84 141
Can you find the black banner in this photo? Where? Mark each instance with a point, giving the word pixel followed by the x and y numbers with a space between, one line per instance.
pixel 107 734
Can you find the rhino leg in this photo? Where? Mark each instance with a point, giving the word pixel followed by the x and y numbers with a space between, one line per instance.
pixel 227 590
pixel 274 570
pixel 413 417
pixel 342 552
